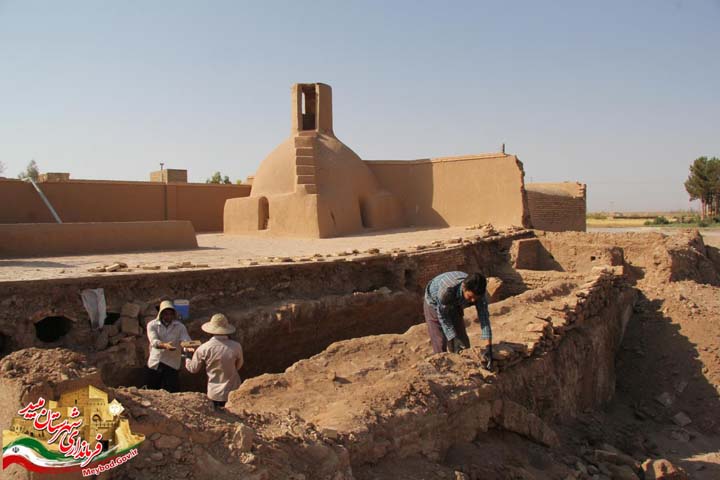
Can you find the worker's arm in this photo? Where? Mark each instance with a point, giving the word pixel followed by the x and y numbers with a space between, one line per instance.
pixel 195 364
pixel 153 335
pixel 484 318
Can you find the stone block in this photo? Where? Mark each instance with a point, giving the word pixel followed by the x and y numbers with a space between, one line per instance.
pixel 681 419
pixel 129 326
pixel 130 310
pixel 243 438
pixel 662 470
pixel 113 329
pixel 102 340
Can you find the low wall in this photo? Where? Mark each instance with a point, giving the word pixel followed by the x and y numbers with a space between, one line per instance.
pixel 48 239
pixel 111 201
pixel 467 190
pixel 557 207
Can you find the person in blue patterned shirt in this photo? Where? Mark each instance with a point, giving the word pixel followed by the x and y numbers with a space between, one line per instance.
pixel 446 296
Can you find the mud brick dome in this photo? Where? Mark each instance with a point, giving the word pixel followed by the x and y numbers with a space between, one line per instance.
pixel 312 184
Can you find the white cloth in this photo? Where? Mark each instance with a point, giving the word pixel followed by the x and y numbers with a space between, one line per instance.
pixel 222 358
pixel 158 333
pixel 94 302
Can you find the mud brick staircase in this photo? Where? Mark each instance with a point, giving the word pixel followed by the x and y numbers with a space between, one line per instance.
pixel 305 163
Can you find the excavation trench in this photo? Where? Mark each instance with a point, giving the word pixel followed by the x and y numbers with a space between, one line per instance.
pixel 283 312
pixel 275 337
pixel 371 398
pixel 338 372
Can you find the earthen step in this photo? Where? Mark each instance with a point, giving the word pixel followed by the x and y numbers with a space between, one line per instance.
pixel 307 133
pixel 301 179
pixel 304 151
pixel 304 170
pixel 304 142
pixel 309 188
pixel 305 161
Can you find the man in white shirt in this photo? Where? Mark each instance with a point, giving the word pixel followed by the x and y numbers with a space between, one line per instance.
pixel 221 357
pixel 165 334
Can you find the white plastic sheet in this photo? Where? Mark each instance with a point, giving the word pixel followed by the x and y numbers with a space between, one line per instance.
pixel 94 303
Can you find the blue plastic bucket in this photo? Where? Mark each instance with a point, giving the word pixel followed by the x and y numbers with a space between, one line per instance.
pixel 182 307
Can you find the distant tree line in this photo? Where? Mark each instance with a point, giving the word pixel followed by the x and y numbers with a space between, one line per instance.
pixel 217 177
pixel 703 184
pixel 31 171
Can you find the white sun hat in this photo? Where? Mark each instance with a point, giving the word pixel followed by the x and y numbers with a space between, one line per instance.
pixel 218 325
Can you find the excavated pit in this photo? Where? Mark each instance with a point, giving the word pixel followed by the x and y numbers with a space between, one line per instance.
pixel 283 312
pixel 350 381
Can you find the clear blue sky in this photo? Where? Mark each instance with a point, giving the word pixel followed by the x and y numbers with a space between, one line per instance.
pixel 622 95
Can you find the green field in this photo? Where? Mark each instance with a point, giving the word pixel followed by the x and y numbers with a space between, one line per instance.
pixel 681 219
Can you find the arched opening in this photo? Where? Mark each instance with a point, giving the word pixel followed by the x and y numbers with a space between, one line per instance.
pixel 309 107
pixel 52 329
pixel 263 213
pixel 363 214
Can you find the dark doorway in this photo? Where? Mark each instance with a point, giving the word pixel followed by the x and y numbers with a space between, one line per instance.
pixel 263 213
pixel 52 329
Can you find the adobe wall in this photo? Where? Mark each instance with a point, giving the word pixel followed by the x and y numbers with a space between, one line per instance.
pixel 457 190
pixel 557 207
pixel 49 239
pixel 110 201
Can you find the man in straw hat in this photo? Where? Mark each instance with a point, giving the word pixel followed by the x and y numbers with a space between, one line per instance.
pixel 221 357
pixel 165 334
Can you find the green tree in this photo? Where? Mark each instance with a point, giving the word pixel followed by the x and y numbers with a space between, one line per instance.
pixel 703 184
pixel 2 168
pixel 31 172
pixel 218 178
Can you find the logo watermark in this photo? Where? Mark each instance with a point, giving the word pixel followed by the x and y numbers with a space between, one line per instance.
pixel 81 431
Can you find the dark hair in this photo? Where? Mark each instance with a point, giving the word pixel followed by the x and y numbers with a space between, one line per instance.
pixel 476 283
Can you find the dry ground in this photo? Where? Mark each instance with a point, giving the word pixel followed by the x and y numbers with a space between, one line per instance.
pixel 218 250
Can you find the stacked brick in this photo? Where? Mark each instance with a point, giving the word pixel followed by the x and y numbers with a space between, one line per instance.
pixel 557 207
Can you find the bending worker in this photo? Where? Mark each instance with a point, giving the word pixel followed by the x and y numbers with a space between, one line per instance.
pixel 221 357
pixel 165 334
pixel 446 296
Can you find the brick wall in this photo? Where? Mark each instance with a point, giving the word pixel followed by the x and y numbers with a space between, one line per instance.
pixel 557 207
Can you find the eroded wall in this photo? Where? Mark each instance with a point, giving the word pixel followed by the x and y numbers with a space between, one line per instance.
pixel 110 201
pixel 457 190
pixel 557 207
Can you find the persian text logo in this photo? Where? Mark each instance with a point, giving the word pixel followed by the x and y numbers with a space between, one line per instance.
pixel 81 431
